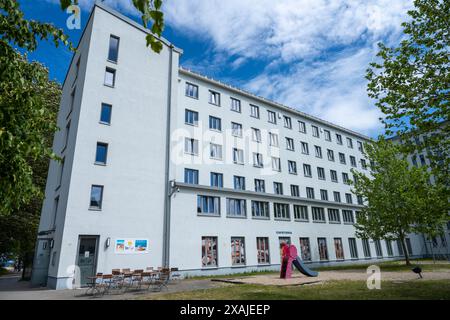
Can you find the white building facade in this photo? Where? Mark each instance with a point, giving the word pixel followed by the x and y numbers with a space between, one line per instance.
pixel 165 167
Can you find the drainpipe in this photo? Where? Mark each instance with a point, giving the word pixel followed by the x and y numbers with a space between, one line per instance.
pixel 167 186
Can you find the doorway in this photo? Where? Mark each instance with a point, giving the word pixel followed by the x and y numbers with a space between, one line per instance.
pixel 41 262
pixel 87 258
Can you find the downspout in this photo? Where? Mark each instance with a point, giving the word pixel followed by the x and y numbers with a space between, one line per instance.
pixel 167 202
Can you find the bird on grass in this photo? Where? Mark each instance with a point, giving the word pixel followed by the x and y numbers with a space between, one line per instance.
pixel 418 270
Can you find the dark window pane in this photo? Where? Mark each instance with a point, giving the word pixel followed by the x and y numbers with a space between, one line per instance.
pixel 113 48
pixel 96 197
pixel 105 115
pixel 102 150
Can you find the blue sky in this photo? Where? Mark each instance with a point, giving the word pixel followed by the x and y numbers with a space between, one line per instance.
pixel 308 54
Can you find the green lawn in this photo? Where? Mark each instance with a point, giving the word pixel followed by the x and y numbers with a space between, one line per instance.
pixel 341 290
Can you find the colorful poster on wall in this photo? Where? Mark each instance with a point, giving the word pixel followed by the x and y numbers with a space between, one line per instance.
pixel 131 246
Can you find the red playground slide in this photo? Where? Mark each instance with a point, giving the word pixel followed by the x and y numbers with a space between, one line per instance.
pixel 289 257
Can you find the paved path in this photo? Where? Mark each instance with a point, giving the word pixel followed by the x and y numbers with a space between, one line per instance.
pixel 13 289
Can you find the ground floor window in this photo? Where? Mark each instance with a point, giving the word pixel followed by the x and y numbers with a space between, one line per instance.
pixel 209 252
pixel 353 248
pixel 260 209
pixel 408 246
pixel 238 251
pixel 262 247
pixel 366 248
pixel 390 252
pixel 305 249
pixel 378 248
pixel 400 248
pixel 301 213
pixel 339 249
pixel 323 250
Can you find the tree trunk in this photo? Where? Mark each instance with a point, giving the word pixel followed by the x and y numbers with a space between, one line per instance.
pixel 405 250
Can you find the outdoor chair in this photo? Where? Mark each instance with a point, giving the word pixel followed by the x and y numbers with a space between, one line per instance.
pixel 162 281
pixel 174 274
pixel 105 285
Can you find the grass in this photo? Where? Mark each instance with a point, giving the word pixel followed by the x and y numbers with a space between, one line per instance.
pixel 340 290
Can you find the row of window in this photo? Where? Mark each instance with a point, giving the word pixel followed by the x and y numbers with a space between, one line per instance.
pixel 191 176
pixel 192 91
pixel 237 208
pixel 210 255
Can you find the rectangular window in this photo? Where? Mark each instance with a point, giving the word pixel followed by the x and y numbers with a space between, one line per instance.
pixel 339 249
pixel 260 209
pixel 337 196
pixel 330 154
pixel 287 122
pixel 190 176
pixel 238 156
pixel 310 193
pixel 191 90
pixel 271 117
pixel 254 111
pixel 61 171
pixel 315 131
pixel 352 161
pixel 345 178
pixel 237 251
pixel 216 180
pixel 101 153
pixel 360 200
pixel 323 195
pixel 323 251
pixel 363 164
pixel 360 146
pixel 301 213
pixel 113 53
pixel 408 246
pixel 334 176
pixel 321 173
pixel 235 105
pixel 292 166
pixel 105 113
pixel 353 248
pixel 258 160
pixel 55 211
pixel 191 146
pixel 262 247
pixel 273 139
pixel 236 207
pixel 348 216
pixel 350 143
pixel 96 197
pixel 214 98
pixel 305 149
pixel 239 183
pixel 390 251
pixel 338 138
pixel 290 144
pixel 342 158
pixel 318 214
pixel 110 77
pixel 77 70
pixel 400 248
pixel 236 129
pixel 281 211
pixel 307 170
pixel 327 135
pixel 277 188
pixel 295 190
pixel 209 252
pixel 256 135
pixel 208 205
pixel 301 127
pixel 260 185
pixel 305 249
pixel 318 151
pixel 215 151
pixel 348 198
pixel 215 123
pixel 378 248
pixel 276 164
pixel 334 216
pixel 66 135
pixel 366 248
pixel 191 117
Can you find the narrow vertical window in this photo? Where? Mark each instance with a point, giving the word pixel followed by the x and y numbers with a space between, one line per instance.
pixel 101 153
pixel 323 251
pixel 110 77
pixel 237 251
pixel 209 252
pixel 113 53
pixel 105 113
pixel 96 197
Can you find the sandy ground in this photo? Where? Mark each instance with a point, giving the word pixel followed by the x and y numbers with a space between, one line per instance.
pixel 298 279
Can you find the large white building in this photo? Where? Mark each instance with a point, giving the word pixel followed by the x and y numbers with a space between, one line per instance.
pixel 165 167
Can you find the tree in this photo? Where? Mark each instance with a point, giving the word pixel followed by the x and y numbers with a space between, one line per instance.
pixel 151 13
pixel 399 198
pixel 411 84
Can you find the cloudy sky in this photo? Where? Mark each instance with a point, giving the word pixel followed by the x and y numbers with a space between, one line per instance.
pixel 308 54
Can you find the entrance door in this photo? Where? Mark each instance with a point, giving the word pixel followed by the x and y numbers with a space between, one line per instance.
pixel 41 262
pixel 87 257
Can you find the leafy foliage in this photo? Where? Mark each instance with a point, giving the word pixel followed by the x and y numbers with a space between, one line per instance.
pixel 412 84
pixel 400 199
pixel 150 13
